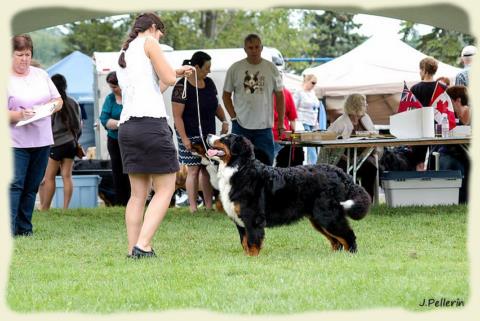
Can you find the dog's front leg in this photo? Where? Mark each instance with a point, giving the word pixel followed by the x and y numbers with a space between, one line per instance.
pixel 254 240
pixel 243 237
pixel 255 232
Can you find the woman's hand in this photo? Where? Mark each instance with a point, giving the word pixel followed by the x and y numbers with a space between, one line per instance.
pixel 112 124
pixel 184 71
pixel 224 128
pixel 27 113
pixel 187 143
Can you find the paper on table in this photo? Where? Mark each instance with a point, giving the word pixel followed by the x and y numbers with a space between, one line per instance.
pixel 461 131
pixel 41 111
pixel 416 123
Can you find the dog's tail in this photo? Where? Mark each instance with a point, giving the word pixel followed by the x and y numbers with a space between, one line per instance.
pixel 358 202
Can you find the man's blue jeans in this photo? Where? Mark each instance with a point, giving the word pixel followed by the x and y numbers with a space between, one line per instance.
pixel 29 169
pixel 262 139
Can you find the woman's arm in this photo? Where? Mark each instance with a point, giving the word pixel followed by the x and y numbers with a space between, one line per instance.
pixel 177 110
pixel 163 86
pixel 106 113
pixel 162 68
pixel 367 122
pixel 18 115
pixel 297 99
pixel 221 116
pixel 58 104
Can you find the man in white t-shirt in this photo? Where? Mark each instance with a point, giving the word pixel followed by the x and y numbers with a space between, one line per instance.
pixel 467 56
pixel 252 81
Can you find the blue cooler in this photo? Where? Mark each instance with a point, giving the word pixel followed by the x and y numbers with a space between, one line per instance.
pixel 85 192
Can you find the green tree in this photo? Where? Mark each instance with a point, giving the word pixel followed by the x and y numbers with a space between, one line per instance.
pixel 444 45
pixel 285 29
pixel 96 35
pixel 334 33
pixel 48 46
pixel 409 33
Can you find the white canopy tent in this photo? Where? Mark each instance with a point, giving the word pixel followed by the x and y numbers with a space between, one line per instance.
pixel 376 68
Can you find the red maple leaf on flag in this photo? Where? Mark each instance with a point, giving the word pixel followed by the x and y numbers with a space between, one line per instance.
pixel 443 104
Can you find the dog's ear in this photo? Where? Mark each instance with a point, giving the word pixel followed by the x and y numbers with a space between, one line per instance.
pixel 240 145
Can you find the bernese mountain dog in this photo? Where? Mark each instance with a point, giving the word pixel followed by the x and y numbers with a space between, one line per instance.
pixel 256 196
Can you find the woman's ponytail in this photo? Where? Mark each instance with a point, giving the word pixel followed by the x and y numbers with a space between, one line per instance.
pixel 121 60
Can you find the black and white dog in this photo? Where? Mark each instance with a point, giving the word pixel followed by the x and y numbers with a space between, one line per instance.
pixel 256 196
pixel 250 82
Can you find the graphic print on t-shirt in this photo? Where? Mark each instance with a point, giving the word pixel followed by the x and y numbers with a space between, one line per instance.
pixel 253 83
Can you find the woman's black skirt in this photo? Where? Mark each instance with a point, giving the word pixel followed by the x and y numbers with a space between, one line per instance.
pixel 146 146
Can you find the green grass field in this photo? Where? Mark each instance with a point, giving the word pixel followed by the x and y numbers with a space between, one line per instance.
pixel 76 261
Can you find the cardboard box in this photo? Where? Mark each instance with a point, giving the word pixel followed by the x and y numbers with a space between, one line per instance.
pixel 421 188
pixel 416 123
pixel 317 136
pixel 85 192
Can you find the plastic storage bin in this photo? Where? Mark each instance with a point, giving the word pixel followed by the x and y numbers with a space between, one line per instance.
pixel 85 192
pixel 421 188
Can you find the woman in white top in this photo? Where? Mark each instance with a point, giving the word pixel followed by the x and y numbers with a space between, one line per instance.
pixel 148 154
pixel 308 107
pixel 355 118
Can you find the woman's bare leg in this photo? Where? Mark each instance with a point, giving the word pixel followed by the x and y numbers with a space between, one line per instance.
pixel 206 188
pixel 66 168
pixel 192 186
pixel 47 189
pixel 140 185
pixel 164 186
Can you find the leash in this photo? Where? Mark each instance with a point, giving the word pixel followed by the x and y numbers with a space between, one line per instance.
pixel 184 96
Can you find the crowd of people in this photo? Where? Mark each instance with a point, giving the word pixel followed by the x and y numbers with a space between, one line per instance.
pixel 140 141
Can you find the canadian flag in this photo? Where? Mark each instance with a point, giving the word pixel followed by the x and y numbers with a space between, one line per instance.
pixel 443 105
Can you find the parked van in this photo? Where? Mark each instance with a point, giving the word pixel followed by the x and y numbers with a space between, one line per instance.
pixel 222 59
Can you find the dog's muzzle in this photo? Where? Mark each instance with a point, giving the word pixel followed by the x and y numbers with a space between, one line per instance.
pixel 212 152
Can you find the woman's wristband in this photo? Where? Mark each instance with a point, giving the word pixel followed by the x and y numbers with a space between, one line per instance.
pixel 233 118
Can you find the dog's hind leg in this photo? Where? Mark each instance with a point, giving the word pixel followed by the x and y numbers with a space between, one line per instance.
pixel 329 219
pixel 341 231
pixel 336 245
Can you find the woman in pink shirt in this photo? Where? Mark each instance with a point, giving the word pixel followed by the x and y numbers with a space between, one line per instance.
pixel 28 87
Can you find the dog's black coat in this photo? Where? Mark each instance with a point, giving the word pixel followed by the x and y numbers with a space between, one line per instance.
pixel 399 158
pixel 268 196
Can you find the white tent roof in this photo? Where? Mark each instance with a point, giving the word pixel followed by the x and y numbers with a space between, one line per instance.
pixel 380 65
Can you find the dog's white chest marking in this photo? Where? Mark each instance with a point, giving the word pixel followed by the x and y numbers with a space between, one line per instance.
pixel 212 171
pixel 224 175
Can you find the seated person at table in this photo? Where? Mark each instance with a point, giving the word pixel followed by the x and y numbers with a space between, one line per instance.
pixel 354 119
pixel 459 97
pixel 454 157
